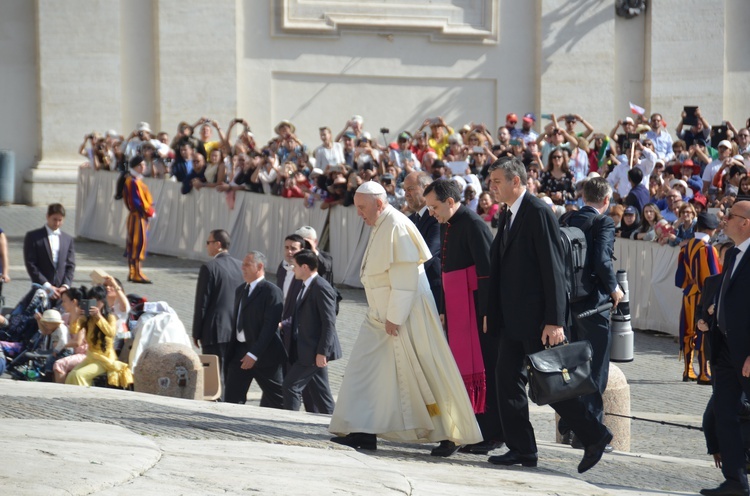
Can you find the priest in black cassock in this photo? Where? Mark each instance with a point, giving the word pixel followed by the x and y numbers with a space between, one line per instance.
pixel 465 264
pixel 429 228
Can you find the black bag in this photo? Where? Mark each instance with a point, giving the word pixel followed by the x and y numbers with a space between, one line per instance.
pixel 560 373
pixel 578 274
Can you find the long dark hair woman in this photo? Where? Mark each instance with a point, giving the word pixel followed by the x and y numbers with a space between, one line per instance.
pixel 96 317
pixel 557 180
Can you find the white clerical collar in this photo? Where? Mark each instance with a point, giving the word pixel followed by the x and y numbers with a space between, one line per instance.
pixel 50 232
pixel 219 254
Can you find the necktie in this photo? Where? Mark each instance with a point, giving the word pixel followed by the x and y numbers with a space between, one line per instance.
pixel 506 229
pixel 301 293
pixel 728 268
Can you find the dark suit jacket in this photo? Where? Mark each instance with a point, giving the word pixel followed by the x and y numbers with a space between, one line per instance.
pixel 429 228
pixel 600 244
pixel 527 286
pixel 325 266
pixel 37 256
pixel 259 316
pixel 214 299
pixel 314 323
pixel 737 316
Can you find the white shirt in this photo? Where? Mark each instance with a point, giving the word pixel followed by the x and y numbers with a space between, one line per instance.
pixel 240 331
pixel 329 156
pixel 54 243
pixel 288 278
pixel 514 208
pixel 306 284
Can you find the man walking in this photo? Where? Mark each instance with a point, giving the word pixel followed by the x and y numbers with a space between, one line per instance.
pixel 465 260
pixel 314 325
pixel 401 382
pixel 256 351
pixel 601 281
pixel 213 311
pixel 429 228
pixel 730 352
pixel 527 273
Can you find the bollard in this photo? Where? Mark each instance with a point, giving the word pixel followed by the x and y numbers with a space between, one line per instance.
pixel 169 369
pixel 616 399
pixel 7 176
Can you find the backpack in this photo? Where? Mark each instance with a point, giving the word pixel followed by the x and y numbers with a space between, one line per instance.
pixel 578 273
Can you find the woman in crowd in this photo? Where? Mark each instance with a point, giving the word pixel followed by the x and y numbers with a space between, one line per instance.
pixel 684 225
pixel 616 211
pixel 743 192
pixel 651 215
pixel 71 300
pixel 487 208
pixel 630 222
pixel 154 164
pixel 557 180
pixel 365 153
pixel 215 172
pixel 100 325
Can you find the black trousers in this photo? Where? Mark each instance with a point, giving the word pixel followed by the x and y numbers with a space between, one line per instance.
pixel 313 381
pixel 514 402
pixel 728 388
pixel 269 379
pixel 220 350
pixel 489 421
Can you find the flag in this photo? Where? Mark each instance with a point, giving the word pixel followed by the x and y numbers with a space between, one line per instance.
pixel 635 109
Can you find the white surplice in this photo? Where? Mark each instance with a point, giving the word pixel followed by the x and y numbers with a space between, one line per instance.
pixel 404 388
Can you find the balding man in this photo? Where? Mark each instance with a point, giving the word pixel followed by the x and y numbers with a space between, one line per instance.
pixel 401 382
pixel 730 352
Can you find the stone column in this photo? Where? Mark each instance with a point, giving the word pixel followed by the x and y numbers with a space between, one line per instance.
pixel 79 90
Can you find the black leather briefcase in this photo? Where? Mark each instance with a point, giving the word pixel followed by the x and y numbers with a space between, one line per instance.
pixel 560 373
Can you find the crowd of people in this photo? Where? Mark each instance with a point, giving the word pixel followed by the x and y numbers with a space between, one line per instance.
pixel 666 181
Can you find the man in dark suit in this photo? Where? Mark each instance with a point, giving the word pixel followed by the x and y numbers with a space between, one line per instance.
pixel 289 286
pixel 213 311
pixel 730 352
pixel 414 186
pixel 256 351
pixel 602 285
pixel 526 310
pixel 314 325
pixel 49 254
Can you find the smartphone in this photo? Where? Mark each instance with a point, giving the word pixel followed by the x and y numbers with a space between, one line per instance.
pixel 718 134
pixel 478 149
pixel 515 142
pixel 85 305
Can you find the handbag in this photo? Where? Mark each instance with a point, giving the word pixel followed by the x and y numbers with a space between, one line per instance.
pixel 560 372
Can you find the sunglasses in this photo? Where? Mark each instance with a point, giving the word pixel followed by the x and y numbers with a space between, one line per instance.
pixel 730 216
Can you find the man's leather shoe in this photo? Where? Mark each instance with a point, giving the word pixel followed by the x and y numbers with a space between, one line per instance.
pixel 482 448
pixel 727 488
pixel 445 449
pixel 592 454
pixel 358 440
pixel 513 457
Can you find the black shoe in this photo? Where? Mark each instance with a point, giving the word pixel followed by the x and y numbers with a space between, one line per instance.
pixel 727 488
pixel 358 440
pixel 445 449
pixel 592 454
pixel 513 457
pixel 704 382
pixel 482 448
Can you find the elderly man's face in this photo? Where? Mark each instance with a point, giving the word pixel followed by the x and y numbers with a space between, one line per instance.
pixel 368 207
pixel 413 192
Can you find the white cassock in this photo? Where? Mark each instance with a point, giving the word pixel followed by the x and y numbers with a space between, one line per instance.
pixel 404 388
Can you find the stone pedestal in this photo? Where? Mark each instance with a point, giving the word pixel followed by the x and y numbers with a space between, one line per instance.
pixel 51 182
pixel 616 400
pixel 169 369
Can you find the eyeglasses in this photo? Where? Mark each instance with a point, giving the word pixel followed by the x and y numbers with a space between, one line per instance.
pixel 730 215
pixel 210 241
pixel 743 135
pixel 556 156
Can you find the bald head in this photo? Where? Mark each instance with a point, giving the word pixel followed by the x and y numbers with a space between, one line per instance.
pixel 737 222
pixel 414 186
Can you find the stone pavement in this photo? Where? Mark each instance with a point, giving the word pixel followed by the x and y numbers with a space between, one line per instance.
pixel 664 459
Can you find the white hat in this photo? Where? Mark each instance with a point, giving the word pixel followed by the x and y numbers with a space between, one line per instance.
pixel 143 126
pixel 371 188
pixel 52 316
pixel 315 172
pixel 725 143
pixel 628 120
pixel 306 232
pixel 112 133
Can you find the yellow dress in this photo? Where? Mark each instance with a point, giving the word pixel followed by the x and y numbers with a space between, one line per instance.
pixel 99 360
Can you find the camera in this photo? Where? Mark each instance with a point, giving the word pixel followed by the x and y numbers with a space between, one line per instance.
pixel 386 181
pixel 86 306
pixel 384 130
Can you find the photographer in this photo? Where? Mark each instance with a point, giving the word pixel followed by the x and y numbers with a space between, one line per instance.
pixel 245 138
pixel 365 153
pixel 185 135
pixel 286 141
pixel 98 154
pixel 95 316
pixel 205 135
pixel 142 133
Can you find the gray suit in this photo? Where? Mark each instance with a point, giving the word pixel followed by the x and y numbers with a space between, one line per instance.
pixel 314 326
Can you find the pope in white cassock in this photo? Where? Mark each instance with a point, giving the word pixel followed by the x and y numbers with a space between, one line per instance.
pixel 401 382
